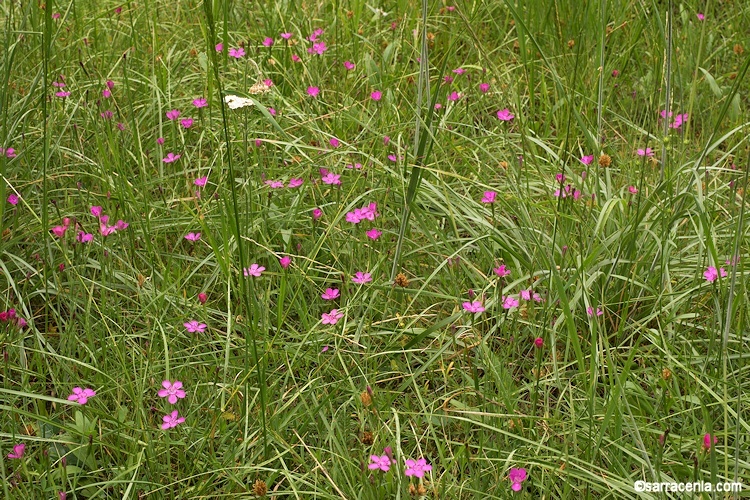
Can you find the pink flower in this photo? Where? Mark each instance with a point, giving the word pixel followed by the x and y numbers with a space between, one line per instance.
pixel 81 396
pixel 62 94
pixel 539 342
pixel 700 16
pixel 186 123
pixel 172 391
pixel 286 36
pixel 708 442
pixel 332 179
pixel 313 91
pixel 357 166
pixel 633 189
pixel 193 326
pixel 315 35
pixel 317 213
pixel 84 237
pixel 448 79
pixel 121 224
pixel 106 93
pixel 318 48
pixel 202 298
pixel 271 111
pixel 56 15
pixel 170 158
pixel 645 152
pixel 472 307
pixel 711 274
pixel 107 115
pixel 484 87
pixel 13 199
pixel 376 95
pixel 110 84
pixel 332 317
pixel 200 102
pixel 615 73
pixel 454 96
pixel 237 53
pixel 285 261
pixel 334 142
pixel 268 41
pixel 274 184
pixel 361 278
pixel 386 140
pixel 679 120
pixel 526 294
pixel 393 158
pixel 193 236
pixel 295 58
pixel 502 271
pixel 590 311
pixel 17 452
pixel 294 183
pixel 200 181
pixel 438 105
pixel 59 231
pixel 489 197
pixel 509 302
pixel 517 476
pixel 254 270
pixel 96 211
pixel 505 115
pixel 459 71
pixel 160 141
pixel 171 420
pixel 349 65
pixel 380 462
pixel 173 114
pixel 373 234
pixel 219 47
pixel 330 294
pixel 586 160
pixel 417 468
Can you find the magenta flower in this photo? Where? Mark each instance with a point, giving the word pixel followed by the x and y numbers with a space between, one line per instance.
pixel 275 184
pixel 633 189
pixel 334 142
pixel 193 236
pixel 318 48
pixel 286 36
pixel 84 237
pixel 332 317
pixel 268 41
pixel 509 302
pixel 373 234
pixel 393 158
pixel 160 141
pixel 700 16
pixel 489 197
pixel 62 94
pixel 615 73
pixel 361 278
pixel 472 307
pixel 332 179
pixel 376 95
pixel 454 96
pixel 502 271
pixel 484 87
pixel 586 160
pixel 505 115
pixel 313 91
pixel 237 53
pixel 712 273
pixel 200 102
pixel 331 293
pixel 708 442
pixel 417 468
pixel 170 158
pixel 285 261
pixel 679 120
pixel 296 58
pixel 448 79
pixel 459 71
pixel 81 396
pixel 107 115
pixel 110 84
pixel 193 326
pixel 349 65
pixel 121 224
pixel 200 181
pixel 172 391
pixel 380 462
pixel 172 420
pixel 590 311
pixel 173 114
pixel 59 231
pixel 106 93
pixel 295 183
pixel 539 342
pixel 645 152
pixel 17 452
pixel 254 270
pixel 317 213
pixel 186 123
pixel 13 199
pixel 526 294
pixel 219 47
pixel 517 476
pixel 202 298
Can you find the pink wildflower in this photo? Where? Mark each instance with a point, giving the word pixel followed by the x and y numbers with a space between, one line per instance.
pixel 708 441
pixel 268 41
pixel 318 48
pixel 505 115
pixel 274 184
pixel 331 294
pixel 539 342
pixel 317 213
pixel 373 234
pixel 193 236
pixel 200 102
pixel 484 87
pixel 489 197
pixel 509 302
pixel 285 261
pixel 172 391
pixel 84 237
pixel 237 53
pixel 700 16
pixel 219 47
pixel 332 179
pixel 633 189
pixel 349 65
pixel 186 123
pixel 361 278
pixel 313 91
pixel 13 199
pixel 586 160
pixel 417 468
pixel 171 157
pixel 517 476
pixel 294 183
pixel 473 307
pixel 17 452
pixel 380 462
pixel 254 270
pixel 332 317
pixel 201 181
pixel 376 95
pixel 81 396
pixel 645 152
pixel 202 298
pixel 502 271
pixel 286 36
pixel 160 141
pixel 194 326
pixel 172 420
pixel 173 114
pixel 334 142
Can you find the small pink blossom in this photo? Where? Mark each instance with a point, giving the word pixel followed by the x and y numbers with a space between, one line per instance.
pixel 505 115
pixel 172 420
pixel 173 114
pixel 219 47
pixel 473 307
pixel 200 102
pixel 459 71
pixel 633 189
pixel 193 236
pixel 590 311
pixel 237 53
pixel 295 183
pixel 349 65
pixel 373 234
pixel 18 451
pixel 318 48
pixel 274 184
pixel 484 87
pixel 186 123
pixel 59 231
pixel 376 95
pixel 448 79
pixel 296 58
pixel 202 298
pixel 361 278
pixel 708 441
pixel 313 91
pixel 172 391
pixel 194 326
pixel 380 462
pixel 586 160
pixel 417 468
pixel 171 157
pixel 107 115
pixel 268 82
pixel 83 237
pixel 81 396
pixel 13 199
pixel 254 270
pixel 121 225
pixel 454 96
pixel 334 142
pixel 317 213
pixel 700 16
pixel 539 342
pixel 332 179
pixel 285 261
pixel 268 41
pixel 509 302
pixel 286 36
pixel 160 141
pixel 502 271
pixel 332 317
pixel 489 197
pixel 201 181
pixel 645 152
pixel 106 93
pixel 62 94
pixel 517 476
pixel 615 73
pixel 331 294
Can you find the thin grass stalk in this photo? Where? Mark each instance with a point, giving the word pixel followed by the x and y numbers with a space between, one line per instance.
pixel 667 91
pixel 208 8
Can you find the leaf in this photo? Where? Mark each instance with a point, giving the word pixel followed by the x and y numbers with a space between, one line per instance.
pixel 712 83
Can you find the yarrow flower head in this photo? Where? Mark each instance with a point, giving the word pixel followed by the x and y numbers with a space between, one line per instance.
pixel 81 396
pixel 172 420
pixel 361 278
pixel 254 270
pixel 332 317
pixel 517 476
pixel 473 307
pixel 417 468
pixel 172 391
pixel 194 326
pixel 381 462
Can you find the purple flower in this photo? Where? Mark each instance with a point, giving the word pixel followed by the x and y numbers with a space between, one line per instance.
pixel 313 91
pixel 173 114
pixel 517 476
pixel 417 468
pixel 81 396
pixel 331 294
pixel 170 158
pixel 332 317
pixel 172 391
pixel 361 278
pixel 193 236
pixel 13 199
pixel 472 307
pixel 193 326
pixel 236 53
pixel 489 197
pixel 586 160
pixel 172 420
pixel 380 462
pixel 295 183
pixel 502 271
pixel 274 184
pixel 484 87
pixel 200 102
pixel 200 181
pixel 285 261
pixel 254 270
pixel 186 123
pixel 17 452
pixel 505 115
pixel 376 95
pixel 317 213
pixel 84 237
